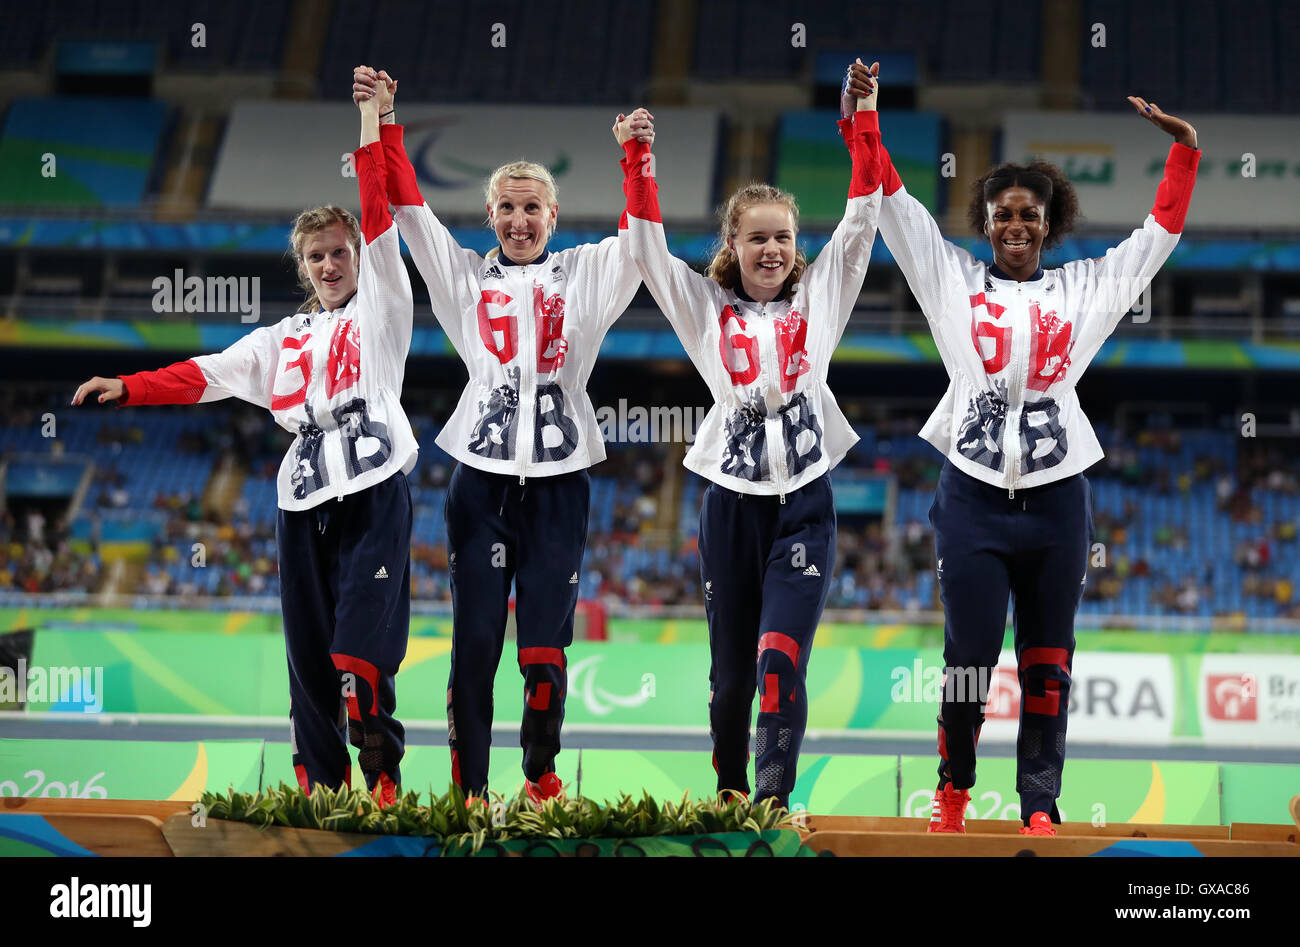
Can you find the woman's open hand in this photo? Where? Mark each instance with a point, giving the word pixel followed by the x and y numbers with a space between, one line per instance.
pixel 112 389
pixel 1182 131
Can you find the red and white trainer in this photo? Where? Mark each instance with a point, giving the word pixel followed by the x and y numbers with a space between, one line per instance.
pixel 949 811
pixel 1040 823
pixel 548 787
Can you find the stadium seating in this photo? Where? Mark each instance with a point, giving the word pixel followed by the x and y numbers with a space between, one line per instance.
pixel 572 51
pixel 1200 53
pixel 1172 529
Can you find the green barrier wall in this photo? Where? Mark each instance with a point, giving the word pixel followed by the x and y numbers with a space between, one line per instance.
pixel 644 630
pixel 122 769
pixel 1093 790
pixel 630 685
pixel 1257 792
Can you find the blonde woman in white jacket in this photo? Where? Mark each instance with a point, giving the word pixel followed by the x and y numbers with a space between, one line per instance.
pixel 760 329
pixel 528 323
pixel 332 375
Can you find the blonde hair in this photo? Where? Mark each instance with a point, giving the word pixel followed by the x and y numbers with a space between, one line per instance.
pixel 520 171
pixel 724 269
pixel 309 223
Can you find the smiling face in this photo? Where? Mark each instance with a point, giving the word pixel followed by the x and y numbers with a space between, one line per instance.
pixel 330 261
pixel 764 245
pixel 522 218
pixel 1016 224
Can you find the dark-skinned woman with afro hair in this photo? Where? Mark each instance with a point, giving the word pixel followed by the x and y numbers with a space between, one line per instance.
pixel 1012 515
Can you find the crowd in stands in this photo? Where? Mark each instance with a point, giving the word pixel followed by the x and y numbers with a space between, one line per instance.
pixel 34 559
pixel 1151 552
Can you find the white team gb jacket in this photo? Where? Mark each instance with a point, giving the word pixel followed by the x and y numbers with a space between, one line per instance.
pixel 774 425
pixel 528 334
pixel 1014 351
pixel 332 378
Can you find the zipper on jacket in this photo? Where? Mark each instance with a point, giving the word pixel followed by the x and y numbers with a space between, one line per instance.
pixel 1015 393
pixel 775 445
pixel 321 358
pixel 527 374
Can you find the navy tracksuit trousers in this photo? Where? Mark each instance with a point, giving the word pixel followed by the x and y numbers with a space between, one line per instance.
pixel 766 568
pixel 345 589
pixel 1033 547
pixel 534 534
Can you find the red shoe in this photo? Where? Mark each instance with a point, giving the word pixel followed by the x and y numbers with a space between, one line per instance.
pixel 949 812
pixel 1039 824
pixel 548 787
pixel 385 791
pixel 729 795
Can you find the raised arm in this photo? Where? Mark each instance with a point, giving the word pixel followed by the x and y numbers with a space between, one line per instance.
pixel 685 296
pixel 1117 280
pixel 383 285
pixel 836 274
pixel 604 276
pixel 915 241
pixel 449 271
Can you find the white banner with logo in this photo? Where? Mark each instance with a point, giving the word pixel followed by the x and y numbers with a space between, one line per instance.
pixel 286 156
pixel 1114 698
pixel 1248 176
pixel 1250 699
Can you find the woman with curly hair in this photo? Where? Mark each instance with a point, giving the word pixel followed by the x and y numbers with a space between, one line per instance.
pixel 1012 515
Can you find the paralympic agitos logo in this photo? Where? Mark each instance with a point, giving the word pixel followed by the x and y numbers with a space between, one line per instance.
pixel 582 683
pixel 469 174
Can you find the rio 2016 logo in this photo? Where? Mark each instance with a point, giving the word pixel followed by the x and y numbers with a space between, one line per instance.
pixel 53 788
pixel 987 805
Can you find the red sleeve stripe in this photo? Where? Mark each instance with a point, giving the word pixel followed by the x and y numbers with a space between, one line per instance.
pixel 375 216
pixel 845 125
pixel 866 154
pixel 403 189
pixel 1175 191
pixel 181 383
pixel 888 175
pixel 639 184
